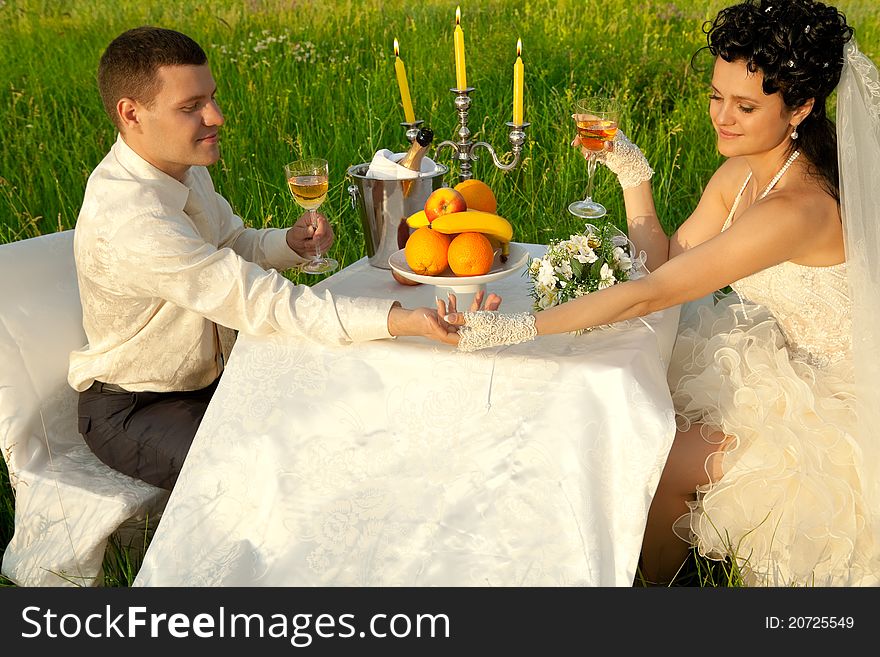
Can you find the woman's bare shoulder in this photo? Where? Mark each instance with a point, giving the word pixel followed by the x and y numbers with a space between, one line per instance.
pixel 729 178
pixel 805 217
pixel 804 197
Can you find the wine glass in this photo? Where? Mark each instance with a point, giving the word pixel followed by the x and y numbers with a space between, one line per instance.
pixel 308 180
pixel 596 119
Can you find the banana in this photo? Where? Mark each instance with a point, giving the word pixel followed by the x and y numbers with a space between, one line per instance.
pixel 495 242
pixel 496 228
pixel 417 219
pixel 474 221
pixel 477 221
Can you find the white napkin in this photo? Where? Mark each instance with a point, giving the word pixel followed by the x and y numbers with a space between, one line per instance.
pixel 384 166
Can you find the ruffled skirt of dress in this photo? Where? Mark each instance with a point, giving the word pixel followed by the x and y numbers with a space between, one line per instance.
pixel 788 508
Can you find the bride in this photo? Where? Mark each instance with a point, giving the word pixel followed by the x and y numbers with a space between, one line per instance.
pixel 775 461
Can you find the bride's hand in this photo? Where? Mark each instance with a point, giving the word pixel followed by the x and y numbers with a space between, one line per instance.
pixel 480 330
pixel 480 302
pixel 623 157
pixel 430 323
pixel 492 302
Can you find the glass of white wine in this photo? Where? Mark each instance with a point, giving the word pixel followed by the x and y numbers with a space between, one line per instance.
pixel 596 121
pixel 308 180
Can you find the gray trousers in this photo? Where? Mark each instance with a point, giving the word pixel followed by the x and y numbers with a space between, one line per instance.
pixel 145 435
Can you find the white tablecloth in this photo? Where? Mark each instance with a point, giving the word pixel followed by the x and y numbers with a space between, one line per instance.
pixel 406 463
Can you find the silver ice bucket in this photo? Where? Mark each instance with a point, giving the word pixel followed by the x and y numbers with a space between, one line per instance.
pixel 384 205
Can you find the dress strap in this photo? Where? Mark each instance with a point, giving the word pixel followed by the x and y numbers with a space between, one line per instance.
pixel 736 203
pixel 742 303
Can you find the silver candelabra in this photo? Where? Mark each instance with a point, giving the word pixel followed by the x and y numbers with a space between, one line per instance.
pixel 464 148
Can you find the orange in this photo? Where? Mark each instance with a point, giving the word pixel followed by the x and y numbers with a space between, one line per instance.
pixel 470 254
pixel 477 194
pixel 425 251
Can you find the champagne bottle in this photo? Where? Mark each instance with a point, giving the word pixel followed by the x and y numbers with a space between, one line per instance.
pixel 412 159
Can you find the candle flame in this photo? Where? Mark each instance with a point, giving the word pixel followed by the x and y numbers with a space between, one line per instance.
pixel 396 49
pixel 518 47
pixel 458 15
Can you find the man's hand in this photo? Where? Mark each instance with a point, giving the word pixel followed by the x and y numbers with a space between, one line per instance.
pixel 310 234
pixel 429 323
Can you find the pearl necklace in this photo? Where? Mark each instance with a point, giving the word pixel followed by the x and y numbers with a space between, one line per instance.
pixel 780 173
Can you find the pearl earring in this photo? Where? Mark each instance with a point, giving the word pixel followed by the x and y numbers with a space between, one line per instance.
pixel 794 134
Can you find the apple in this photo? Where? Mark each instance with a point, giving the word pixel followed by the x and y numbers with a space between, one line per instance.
pixel 444 200
pixel 403 280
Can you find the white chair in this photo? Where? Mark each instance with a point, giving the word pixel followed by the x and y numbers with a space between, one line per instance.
pixel 67 503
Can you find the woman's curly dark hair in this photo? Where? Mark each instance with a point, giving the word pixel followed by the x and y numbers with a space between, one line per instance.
pixel 798 47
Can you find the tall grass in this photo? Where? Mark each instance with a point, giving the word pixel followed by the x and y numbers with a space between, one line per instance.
pixel 316 77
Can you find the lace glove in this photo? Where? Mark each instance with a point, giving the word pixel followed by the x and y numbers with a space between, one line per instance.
pixel 489 328
pixel 627 161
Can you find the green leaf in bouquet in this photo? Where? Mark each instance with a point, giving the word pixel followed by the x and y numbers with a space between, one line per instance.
pixel 577 268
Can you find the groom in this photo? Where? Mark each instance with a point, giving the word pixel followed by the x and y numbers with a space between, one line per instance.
pixel 165 266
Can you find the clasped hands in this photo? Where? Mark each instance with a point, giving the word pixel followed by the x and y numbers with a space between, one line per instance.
pixel 431 323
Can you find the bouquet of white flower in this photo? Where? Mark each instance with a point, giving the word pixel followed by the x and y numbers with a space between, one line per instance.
pixel 592 260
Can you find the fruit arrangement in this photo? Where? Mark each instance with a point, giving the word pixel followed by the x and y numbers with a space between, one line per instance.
pixel 459 230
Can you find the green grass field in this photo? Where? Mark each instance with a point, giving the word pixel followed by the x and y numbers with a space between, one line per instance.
pixel 316 77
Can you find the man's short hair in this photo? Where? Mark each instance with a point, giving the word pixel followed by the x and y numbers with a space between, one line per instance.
pixel 129 66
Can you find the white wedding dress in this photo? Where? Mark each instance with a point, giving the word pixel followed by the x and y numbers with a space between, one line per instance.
pixel 771 365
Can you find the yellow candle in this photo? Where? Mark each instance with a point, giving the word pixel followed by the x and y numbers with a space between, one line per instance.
pixel 400 70
pixel 460 72
pixel 518 85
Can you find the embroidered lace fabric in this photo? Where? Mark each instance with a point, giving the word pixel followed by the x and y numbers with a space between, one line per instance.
pixel 811 305
pixel 627 161
pixel 772 368
pixel 484 329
